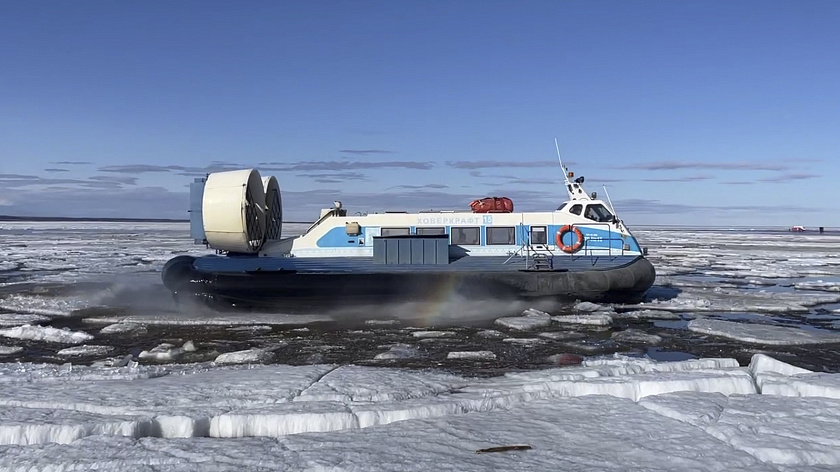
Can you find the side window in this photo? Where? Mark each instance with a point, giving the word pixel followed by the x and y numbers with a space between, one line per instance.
pixel 501 235
pixel 466 235
pixel 599 213
pixel 539 235
pixel 575 209
pixel 395 231
pixel 431 230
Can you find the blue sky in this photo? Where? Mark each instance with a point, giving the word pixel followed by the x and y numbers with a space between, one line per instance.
pixel 709 113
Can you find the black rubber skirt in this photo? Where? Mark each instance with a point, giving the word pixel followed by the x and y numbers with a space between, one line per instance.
pixel 624 284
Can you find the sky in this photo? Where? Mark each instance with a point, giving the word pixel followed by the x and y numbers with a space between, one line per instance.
pixel 707 113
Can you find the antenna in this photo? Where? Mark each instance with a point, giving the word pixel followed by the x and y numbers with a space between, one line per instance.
pixel 562 167
pixel 608 199
pixel 616 219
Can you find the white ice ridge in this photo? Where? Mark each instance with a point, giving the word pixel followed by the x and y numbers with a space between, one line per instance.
pixel 46 333
pixel 704 415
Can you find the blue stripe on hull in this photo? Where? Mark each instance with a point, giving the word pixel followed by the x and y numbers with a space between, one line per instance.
pixel 365 264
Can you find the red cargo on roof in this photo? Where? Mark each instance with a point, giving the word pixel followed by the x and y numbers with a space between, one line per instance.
pixel 492 205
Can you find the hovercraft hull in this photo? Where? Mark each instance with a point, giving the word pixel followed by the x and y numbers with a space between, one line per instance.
pixel 624 283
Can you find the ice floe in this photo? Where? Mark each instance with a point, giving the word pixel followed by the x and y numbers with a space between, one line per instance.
pixel 597 319
pixel 85 350
pixel 761 334
pixel 481 355
pixel 123 328
pixel 167 351
pixel 636 336
pixel 530 319
pixel 399 351
pixel 9 350
pixel 46 333
pixel 248 356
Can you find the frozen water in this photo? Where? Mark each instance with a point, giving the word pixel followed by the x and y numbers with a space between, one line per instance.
pixel 46 333
pixel 607 413
pixel 704 415
pixel 761 334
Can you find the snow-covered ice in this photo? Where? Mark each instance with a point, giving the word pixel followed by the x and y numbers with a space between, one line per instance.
pixel 615 413
pixel 610 413
pixel 46 333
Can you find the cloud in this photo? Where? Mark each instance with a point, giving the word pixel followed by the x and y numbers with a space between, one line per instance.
pixel 18 181
pixel 674 165
pixel 783 178
pixel 144 202
pixel 499 164
pixel 345 166
pixel 657 207
pixel 71 163
pixel 365 152
pixel 216 166
pixel 332 177
pixel 688 178
pixel 413 187
pixel 117 179
pixel 56 170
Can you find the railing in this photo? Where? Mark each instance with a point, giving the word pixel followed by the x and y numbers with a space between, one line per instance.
pixel 536 254
pixel 536 257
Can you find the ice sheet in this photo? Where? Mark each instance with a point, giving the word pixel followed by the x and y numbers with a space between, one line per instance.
pixel 616 413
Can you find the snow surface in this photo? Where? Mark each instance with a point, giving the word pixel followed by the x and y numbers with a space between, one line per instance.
pixel 616 413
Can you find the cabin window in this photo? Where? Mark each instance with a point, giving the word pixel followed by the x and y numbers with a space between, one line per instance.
pixel 562 205
pixel 395 231
pixel 501 235
pixel 466 235
pixel 576 209
pixel 539 235
pixel 598 213
pixel 431 230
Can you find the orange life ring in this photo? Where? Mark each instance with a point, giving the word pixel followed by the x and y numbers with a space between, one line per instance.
pixel 573 248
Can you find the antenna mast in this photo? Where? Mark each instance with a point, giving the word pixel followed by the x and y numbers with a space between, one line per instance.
pixel 562 167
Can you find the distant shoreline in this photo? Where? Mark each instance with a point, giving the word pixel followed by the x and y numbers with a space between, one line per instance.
pixel 126 220
pixel 813 229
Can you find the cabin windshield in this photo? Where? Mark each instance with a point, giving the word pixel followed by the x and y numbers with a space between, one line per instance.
pixel 598 212
pixel 562 205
